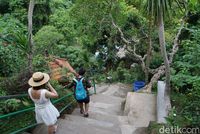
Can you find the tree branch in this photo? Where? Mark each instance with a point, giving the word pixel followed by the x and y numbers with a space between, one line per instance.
pixel 120 31
pixel 158 72
pixel 176 43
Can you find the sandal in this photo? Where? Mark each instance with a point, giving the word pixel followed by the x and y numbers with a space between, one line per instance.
pixel 86 115
pixel 81 111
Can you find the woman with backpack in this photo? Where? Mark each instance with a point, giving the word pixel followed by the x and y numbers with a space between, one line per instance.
pixel 45 112
pixel 81 92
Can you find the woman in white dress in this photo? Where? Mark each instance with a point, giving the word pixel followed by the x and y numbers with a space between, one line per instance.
pixel 45 112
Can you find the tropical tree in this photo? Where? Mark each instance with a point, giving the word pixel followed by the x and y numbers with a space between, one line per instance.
pixel 158 9
pixel 30 34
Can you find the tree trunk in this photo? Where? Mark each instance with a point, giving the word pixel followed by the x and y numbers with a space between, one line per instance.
pixel 164 53
pixel 166 63
pixel 30 35
pixel 148 51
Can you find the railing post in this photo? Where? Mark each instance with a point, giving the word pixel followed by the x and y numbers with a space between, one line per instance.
pixel 91 71
pixel 94 86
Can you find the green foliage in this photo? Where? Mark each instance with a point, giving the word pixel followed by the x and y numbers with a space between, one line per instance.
pixel 77 56
pixel 40 63
pixel 10 105
pixel 17 84
pixel 13 123
pixel 186 80
pixel 18 9
pixel 156 60
pixel 73 54
pixel 57 5
pixel 9 26
pixel 125 75
pixel 65 24
pixel 187 65
pixel 4 6
pixel 154 127
pixel 48 38
pixel 77 29
pixel 2 91
pixel 186 109
pixel 10 60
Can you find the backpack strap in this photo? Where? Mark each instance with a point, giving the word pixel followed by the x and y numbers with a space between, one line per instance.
pixel 82 79
pixel 77 80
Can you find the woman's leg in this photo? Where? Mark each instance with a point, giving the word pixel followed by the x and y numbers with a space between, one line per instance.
pixel 86 108
pixel 51 129
pixel 81 108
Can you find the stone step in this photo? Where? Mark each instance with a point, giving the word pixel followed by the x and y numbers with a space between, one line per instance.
pixel 107 99
pixel 107 114
pixel 106 108
pixel 101 87
pixel 115 119
pixel 67 127
pixel 110 89
pixel 118 90
pixel 40 129
pixel 130 129
pixel 87 122
pixel 76 125
pixel 140 108
pixel 127 129
pixel 141 130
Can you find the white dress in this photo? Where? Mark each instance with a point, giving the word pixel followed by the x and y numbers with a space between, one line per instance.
pixel 45 111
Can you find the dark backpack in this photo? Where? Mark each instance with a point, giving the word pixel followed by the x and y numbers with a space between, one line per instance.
pixel 80 92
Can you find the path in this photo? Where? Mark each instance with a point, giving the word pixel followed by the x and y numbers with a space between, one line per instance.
pixel 109 113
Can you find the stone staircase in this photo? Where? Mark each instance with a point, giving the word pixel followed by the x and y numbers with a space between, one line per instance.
pixel 110 113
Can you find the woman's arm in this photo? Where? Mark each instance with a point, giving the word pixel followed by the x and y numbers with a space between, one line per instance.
pixel 52 93
pixel 88 83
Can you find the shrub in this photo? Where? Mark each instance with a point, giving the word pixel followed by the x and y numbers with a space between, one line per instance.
pixel 16 84
pixel 10 105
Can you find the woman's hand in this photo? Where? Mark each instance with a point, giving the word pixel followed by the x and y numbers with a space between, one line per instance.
pixel 52 92
pixel 48 84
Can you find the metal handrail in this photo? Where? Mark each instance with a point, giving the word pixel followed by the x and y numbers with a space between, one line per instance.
pixel 32 108
pixel 13 96
pixel 35 124
pixel 17 112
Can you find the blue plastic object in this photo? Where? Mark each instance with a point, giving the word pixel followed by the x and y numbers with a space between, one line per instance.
pixel 138 85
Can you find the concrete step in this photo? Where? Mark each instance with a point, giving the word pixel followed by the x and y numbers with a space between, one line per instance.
pixel 67 127
pixel 130 129
pixel 40 129
pixel 107 99
pixel 141 130
pixel 140 108
pixel 118 90
pixel 87 122
pixel 115 119
pixel 101 87
pixel 106 108
pixel 127 129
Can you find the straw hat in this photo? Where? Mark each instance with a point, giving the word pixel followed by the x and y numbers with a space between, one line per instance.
pixel 38 79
